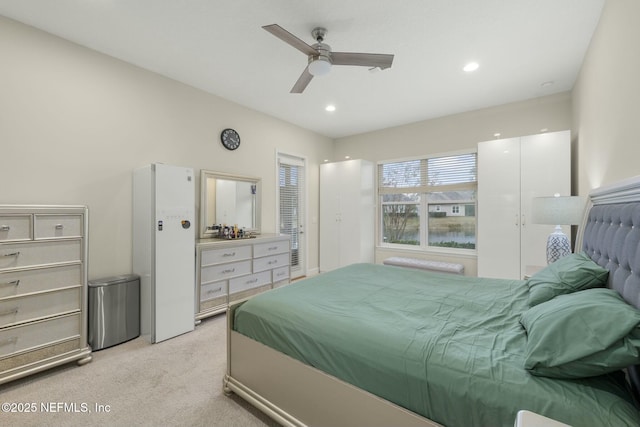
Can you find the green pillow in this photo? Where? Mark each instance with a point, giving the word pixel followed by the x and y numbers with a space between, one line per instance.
pixel 584 334
pixel 571 273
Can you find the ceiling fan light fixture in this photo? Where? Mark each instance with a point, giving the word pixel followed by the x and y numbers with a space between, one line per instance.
pixel 319 67
pixel 471 67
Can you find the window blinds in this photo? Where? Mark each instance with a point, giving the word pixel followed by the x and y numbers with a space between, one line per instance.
pixel 445 173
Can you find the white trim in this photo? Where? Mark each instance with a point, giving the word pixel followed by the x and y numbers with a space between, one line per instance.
pixel 627 190
pixel 297 160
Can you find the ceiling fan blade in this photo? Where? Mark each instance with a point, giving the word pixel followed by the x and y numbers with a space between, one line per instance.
pixel 379 60
pixel 289 38
pixel 302 82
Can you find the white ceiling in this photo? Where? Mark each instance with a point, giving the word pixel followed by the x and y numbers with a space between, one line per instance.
pixel 220 47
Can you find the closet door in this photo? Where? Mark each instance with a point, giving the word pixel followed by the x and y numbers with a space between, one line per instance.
pixel 330 216
pixel 499 216
pixel 545 170
pixel 347 213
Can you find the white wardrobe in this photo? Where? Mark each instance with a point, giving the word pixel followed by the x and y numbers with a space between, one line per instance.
pixel 163 249
pixel 347 213
pixel 511 172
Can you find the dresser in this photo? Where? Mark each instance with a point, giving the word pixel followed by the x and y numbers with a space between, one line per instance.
pixel 228 271
pixel 43 288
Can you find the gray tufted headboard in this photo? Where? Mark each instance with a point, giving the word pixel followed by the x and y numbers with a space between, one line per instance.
pixel 610 235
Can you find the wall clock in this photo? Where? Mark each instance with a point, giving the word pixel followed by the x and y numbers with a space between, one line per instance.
pixel 230 139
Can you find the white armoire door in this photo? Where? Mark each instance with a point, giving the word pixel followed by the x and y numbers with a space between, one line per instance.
pixel 545 170
pixel 347 213
pixel 511 172
pixel 499 208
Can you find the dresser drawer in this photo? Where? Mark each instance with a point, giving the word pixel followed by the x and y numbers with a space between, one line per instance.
pixel 214 273
pixel 223 255
pixel 240 284
pixel 57 226
pixel 37 334
pixel 272 248
pixel 37 306
pixel 280 273
pixel 15 227
pixel 13 255
pixel 14 283
pixel 213 290
pixel 267 263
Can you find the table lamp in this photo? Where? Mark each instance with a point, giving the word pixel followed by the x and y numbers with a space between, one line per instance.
pixel 557 210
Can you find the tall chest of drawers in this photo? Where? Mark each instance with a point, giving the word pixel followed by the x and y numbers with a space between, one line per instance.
pixel 233 270
pixel 43 288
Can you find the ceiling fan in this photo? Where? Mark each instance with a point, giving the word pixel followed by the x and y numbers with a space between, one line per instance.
pixel 321 58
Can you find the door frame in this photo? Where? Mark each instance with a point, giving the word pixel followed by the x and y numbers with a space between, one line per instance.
pixel 304 241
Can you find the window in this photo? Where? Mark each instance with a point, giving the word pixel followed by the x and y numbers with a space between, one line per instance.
pixel 429 202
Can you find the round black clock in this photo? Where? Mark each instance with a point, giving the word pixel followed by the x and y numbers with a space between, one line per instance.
pixel 230 139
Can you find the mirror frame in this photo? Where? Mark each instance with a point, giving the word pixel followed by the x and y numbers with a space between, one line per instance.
pixel 207 174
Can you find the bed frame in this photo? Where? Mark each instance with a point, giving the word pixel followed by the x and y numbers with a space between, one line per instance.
pixel 295 394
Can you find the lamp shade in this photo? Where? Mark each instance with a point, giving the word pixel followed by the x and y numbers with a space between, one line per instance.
pixel 319 67
pixel 560 210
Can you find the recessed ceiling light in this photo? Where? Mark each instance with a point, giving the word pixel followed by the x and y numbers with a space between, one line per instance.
pixel 347 157
pixel 330 108
pixel 497 134
pixel 544 130
pixel 547 84
pixel 471 66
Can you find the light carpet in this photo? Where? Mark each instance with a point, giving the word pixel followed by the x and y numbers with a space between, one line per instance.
pixel 177 382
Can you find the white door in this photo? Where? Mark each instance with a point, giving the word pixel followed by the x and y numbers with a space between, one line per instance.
pixel 545 171
pixel 499 217
pixel 174 295
pixel 330 216
pixel 291 208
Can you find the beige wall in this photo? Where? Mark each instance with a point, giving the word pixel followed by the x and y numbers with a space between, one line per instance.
pixel 606 98
pixel 75 123
pixel 453 133
pixel 460 131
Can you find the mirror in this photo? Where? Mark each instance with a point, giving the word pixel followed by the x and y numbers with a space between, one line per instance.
pixel 230 200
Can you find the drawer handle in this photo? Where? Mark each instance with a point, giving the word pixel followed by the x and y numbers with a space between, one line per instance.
pixel 4 228
pixel 9 312
pixel 280 274
pixel 248 282
pixel 8 341
pixel 59 226
pixel 273 248
pixel 11 254
pixel 275 261
pixel 213 291
pixel 14 283
pixel 230 270
pixel 229 254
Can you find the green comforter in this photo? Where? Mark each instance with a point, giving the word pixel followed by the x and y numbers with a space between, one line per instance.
pixel 447 347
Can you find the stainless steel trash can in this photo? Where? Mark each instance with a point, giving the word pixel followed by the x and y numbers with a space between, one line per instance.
pixel 114 310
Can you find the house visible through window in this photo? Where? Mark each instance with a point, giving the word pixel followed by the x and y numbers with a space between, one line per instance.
pixel 429 202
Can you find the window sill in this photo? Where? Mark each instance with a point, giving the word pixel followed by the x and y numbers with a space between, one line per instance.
pixel 462 253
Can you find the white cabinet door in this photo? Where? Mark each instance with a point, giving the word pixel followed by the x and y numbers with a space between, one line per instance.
pixel 347 212
pixel 330 216
pixel 499 208
pixel 545 171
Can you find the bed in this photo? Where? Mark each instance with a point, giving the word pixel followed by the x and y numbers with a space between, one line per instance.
pixel 382 345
